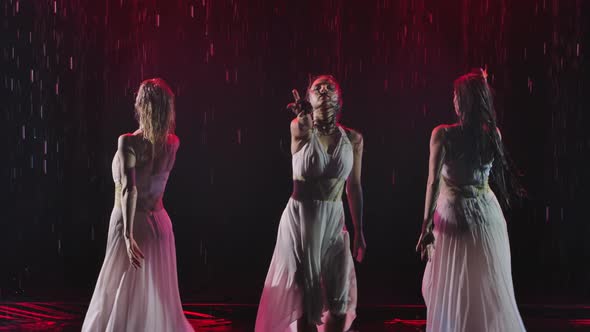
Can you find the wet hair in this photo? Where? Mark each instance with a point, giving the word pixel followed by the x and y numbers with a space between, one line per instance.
pixel 154 109
pixel 481 142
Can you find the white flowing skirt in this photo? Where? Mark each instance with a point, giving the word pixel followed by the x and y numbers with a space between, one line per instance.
pixel 467 284
pixel 311 272
pixel 145 299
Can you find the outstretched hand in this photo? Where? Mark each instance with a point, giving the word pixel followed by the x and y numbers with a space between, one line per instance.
pixel 299 105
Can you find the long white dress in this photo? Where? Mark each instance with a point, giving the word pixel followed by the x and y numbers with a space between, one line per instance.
pixel 144 299
pixel 312 271
pixel 467 284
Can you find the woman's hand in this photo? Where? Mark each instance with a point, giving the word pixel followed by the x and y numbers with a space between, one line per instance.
pixel 299 105
pixel 425 244
pixel 134 253
pixel 359 247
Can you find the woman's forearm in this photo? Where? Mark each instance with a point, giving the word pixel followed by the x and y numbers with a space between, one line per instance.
pixel 305 123
pixel 432 191
pixel 128 204
pixel 354 193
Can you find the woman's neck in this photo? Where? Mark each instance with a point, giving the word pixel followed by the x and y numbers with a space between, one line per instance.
pixel 324 120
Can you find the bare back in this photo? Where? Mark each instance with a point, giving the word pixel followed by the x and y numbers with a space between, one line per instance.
pixel 151 170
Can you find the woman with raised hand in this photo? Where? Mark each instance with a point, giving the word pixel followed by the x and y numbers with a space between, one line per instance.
pixel 311 279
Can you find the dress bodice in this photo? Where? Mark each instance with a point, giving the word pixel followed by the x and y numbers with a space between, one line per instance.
pixel 318 175
pixel 463 173
pixel 313 161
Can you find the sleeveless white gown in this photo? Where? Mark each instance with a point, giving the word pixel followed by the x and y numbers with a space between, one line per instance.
pixel 312 270
pixel 467 284
pixel 144 299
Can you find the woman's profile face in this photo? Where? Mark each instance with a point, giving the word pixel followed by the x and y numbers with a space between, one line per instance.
pixel 323 90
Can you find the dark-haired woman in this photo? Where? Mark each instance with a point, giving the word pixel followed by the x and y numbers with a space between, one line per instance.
pixel 467 283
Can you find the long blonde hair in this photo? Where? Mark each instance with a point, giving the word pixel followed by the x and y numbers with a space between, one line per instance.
pixel 154 108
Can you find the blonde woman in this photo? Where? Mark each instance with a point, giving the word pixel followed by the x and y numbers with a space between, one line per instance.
pixel 137 288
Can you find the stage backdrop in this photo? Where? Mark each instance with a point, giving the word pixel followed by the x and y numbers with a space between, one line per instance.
pixel 70 69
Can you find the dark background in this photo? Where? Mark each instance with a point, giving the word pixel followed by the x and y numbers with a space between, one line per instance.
pixel 70 69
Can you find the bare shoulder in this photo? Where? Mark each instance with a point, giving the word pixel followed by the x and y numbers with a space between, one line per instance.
pixel 127 141
pixel 439 132
pixel 354 136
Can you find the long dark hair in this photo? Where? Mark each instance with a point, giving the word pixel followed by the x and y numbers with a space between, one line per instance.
pixel 478 121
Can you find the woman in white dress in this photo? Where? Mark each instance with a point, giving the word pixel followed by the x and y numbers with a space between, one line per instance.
pixel 467 283
pixel 137 288
pixel 311 279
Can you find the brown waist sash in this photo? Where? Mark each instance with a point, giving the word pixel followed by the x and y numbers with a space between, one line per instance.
pixel 326 189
